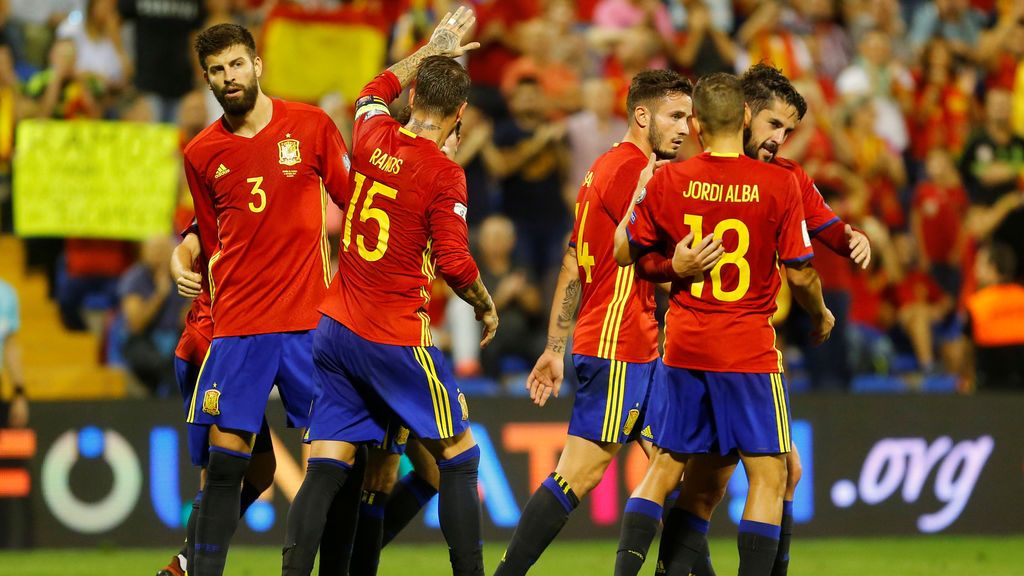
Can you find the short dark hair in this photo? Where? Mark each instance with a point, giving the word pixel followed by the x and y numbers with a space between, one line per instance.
pixel 1003 259
pixel 219 38
pixel 649 86
pixel 763 83
pixel 442 85
pixel 718 103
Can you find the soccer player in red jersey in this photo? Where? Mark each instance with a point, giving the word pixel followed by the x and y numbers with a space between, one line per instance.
pixel 615 343
pixel 375 362
pixel 189 355
pixel 720 390
pixel 260 178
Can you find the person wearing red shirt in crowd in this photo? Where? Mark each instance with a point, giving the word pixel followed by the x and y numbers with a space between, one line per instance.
pixel 615 343
pixel 937 221
pixel 374 358
pixel 260 179
pixel 924 312
pixel 711 395
pixel 943 101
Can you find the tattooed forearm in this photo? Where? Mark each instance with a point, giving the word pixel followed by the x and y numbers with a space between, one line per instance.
pixel 557 343
pixel 442 42
pixel 569 302
pixel 476 295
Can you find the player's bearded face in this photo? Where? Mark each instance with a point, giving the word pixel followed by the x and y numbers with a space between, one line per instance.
pixel 670 125
pixel 768 130
pixel 237 97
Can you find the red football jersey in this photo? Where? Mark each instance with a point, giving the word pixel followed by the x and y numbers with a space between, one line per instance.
pixel 723 322
pixel 406 219
pixel 616 318
pixel 261 205
pixel 819 215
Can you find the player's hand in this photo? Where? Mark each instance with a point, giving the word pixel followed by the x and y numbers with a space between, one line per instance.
pixel 189 283
pixel 689 262
pixel 489 318
pixel 860 247
pixel 17 417
pixel 648 172
pixel 451 29
pixel 823 327
pixel 545 379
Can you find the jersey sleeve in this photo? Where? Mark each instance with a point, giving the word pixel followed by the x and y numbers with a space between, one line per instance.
pixel 374 99
pixel 818 213
pixel 642 227
pixel 334 161
pixel 192 228
pixel 793 239
pixel 202 200
pixel 446 217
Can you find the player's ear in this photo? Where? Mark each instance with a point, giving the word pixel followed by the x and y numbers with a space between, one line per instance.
pixel 641 116
pixel 747 116
pixel 697 129
pixel 257 64
pixel 462 110
pixel 412 95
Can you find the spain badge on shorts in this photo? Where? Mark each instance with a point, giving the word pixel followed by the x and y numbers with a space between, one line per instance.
pixel 631 419
pixel 211 402
pixel 464 405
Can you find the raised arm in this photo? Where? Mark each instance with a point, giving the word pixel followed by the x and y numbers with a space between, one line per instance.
pixel 445 41
pixel 183 261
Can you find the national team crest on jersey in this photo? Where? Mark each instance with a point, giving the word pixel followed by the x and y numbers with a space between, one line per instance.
pixel 211 402
pixel 631 419
pixel 288 151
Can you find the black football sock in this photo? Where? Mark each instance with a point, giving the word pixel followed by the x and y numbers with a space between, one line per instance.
pixel 324 478
pixel 684 540
pixel 639 526
pixel 758 544
pixel 543 518
pixel 339 532
pixel 367 545
pixel 411 494
pixel 218 510
pixel 781 567
pixel 249 495
pixel 459 512
pixel 188 551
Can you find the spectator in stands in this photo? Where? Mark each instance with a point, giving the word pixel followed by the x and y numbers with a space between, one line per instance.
pixel 98 49
pixel 593 130
pixel 34 23
pixel 992 166
pixel 62 91
pixel 165 69
pixel 936 221
pixel 954 20
pixel 704 47
pixel 828 41
pixel 13 413
pixel 91 269
pixel 618 15
pixel 925 312
pixel 877 74
pixel 943 102
pixel 995 322
pixel 515 296
pixel 530 159
pixel 558 81
pixel 765 37
pixel 476 134
pixel 153 314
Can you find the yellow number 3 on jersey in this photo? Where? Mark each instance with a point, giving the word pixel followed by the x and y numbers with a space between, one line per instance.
pixel 257 191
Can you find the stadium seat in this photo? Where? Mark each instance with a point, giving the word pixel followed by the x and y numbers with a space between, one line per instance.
pixel 940 384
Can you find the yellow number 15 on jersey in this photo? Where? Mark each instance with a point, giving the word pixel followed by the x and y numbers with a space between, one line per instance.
pixel 369 212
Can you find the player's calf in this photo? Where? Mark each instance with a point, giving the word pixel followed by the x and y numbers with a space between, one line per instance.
pixel 644 510
pixel 760 527
pixel 794 472
pixel 459 501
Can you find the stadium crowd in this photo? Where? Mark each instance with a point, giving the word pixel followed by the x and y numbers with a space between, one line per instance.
pixel 914 134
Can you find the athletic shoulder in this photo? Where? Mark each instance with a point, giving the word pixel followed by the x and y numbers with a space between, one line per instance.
pixel 199 146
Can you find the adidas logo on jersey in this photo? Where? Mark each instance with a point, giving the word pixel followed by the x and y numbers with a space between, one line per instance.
pixel 221 171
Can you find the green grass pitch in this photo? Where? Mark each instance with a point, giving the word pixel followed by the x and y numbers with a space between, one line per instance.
pixel 918 556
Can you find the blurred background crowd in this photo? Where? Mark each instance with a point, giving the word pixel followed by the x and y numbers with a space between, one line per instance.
pixel 913 134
